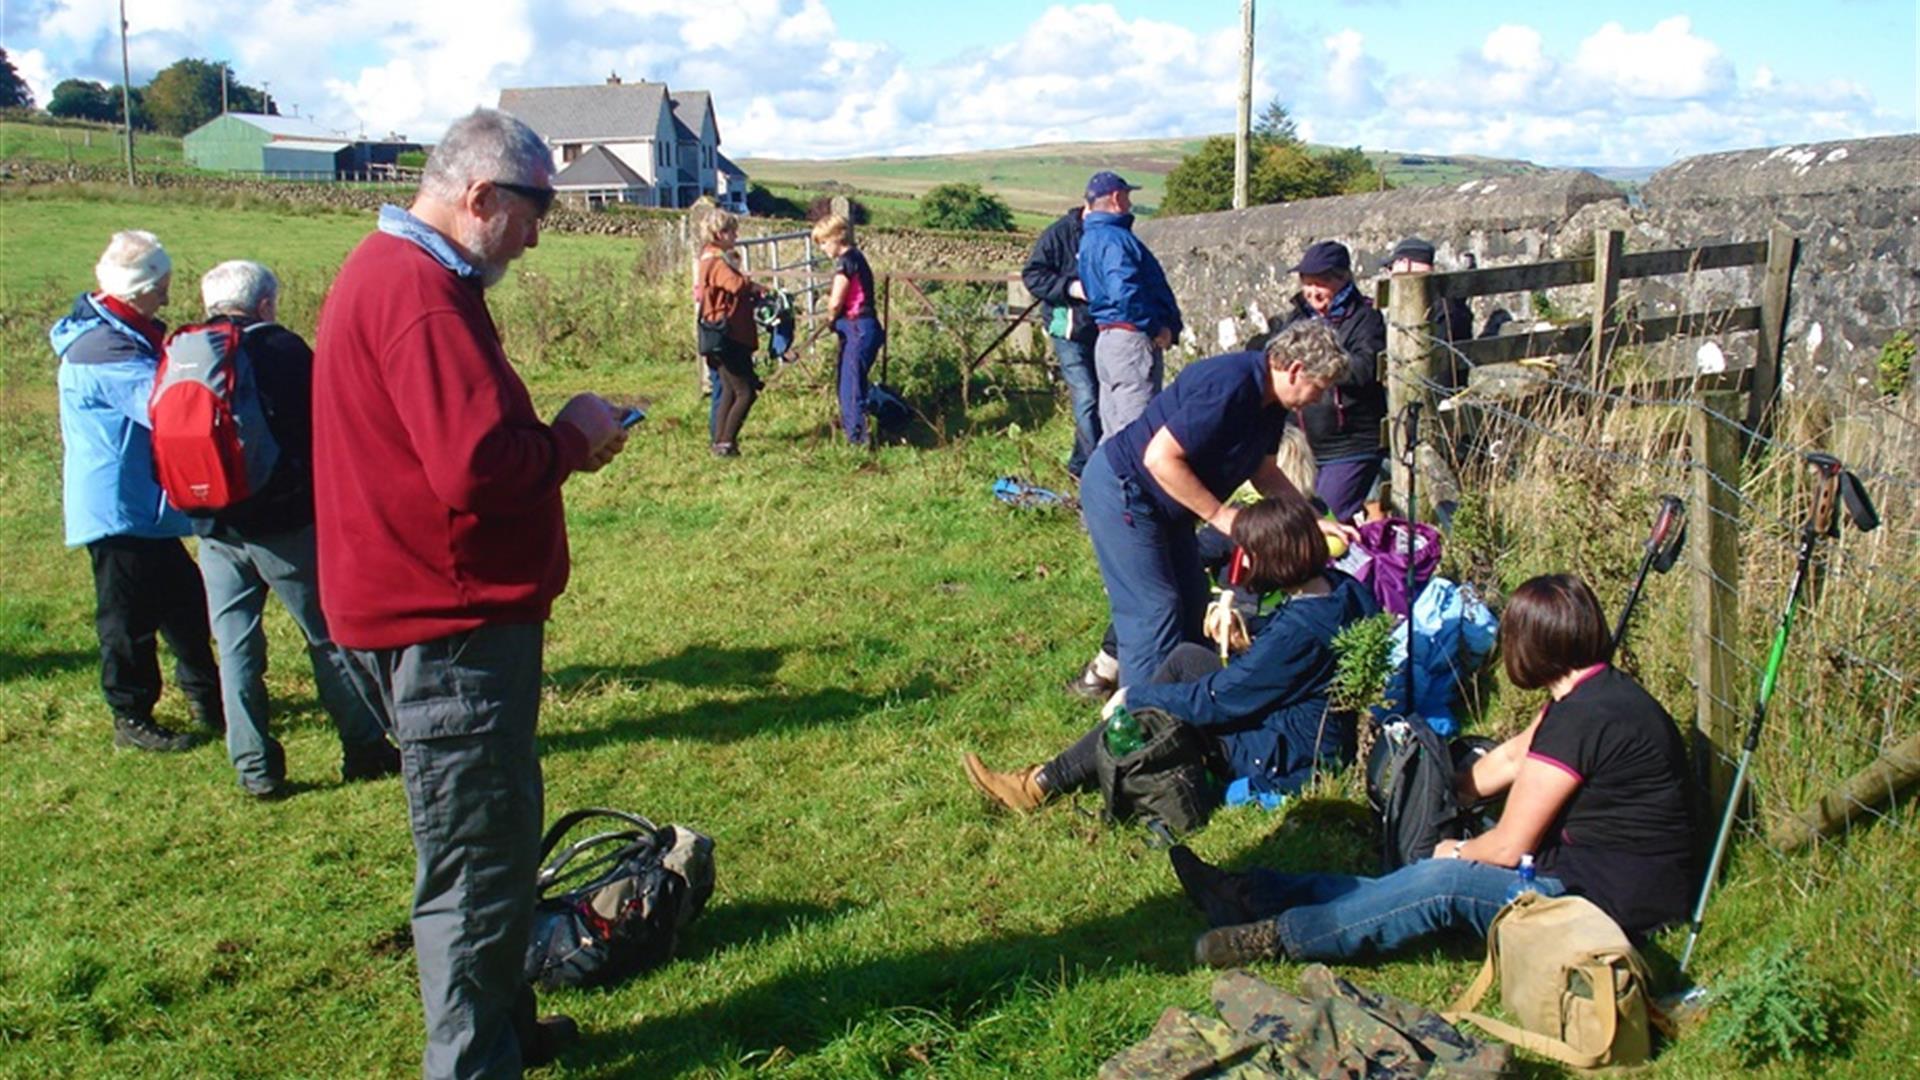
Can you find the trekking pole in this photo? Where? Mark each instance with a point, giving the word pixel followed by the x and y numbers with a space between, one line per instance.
pixel 1834 483
pixel 1412 461
pixel 1662 549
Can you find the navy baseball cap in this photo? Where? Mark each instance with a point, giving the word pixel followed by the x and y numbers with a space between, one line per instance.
pixel 1106 183
pixel 1325 257
pixel 1412 248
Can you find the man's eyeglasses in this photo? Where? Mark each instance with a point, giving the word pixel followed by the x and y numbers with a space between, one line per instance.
pixel 540 197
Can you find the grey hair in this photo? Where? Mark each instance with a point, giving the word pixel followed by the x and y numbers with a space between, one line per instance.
pixel 485 144
pixel 715 222
pixel 1311 344
pixel 238 287
pixel 133 264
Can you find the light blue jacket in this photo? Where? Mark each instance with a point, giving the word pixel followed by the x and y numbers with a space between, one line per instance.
pixel 106 375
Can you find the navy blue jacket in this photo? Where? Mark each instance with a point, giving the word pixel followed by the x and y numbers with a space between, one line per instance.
pixel 1123 280
pixel 1268 707
pixel 1345 422
pixel 1218 411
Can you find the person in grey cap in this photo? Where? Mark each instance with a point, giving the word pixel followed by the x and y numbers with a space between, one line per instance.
pixel 1128 299
pixel 1450 317
pixel 144 581
pixel 1343 428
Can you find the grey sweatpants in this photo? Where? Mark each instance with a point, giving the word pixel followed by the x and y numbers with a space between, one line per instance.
pixel 1130 369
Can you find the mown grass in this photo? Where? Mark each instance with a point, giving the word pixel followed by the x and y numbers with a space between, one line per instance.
pixel 788 650
pixel 89 144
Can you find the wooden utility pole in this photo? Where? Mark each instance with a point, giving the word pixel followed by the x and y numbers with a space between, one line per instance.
pixel 223 88
pixel 1243 135
pixel 126 92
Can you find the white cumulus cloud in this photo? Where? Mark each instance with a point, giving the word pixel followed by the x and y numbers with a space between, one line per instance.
pixel 1667 62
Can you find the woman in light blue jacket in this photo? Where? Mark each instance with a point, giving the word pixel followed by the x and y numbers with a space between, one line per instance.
pixel 144 581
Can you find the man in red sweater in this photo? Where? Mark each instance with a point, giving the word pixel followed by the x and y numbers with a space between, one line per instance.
pixel 442 544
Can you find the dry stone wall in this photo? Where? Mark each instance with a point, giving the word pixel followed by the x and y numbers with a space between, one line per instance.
pixel 1854 205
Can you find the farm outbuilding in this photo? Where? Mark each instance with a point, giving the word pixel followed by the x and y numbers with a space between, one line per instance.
pixel 286 146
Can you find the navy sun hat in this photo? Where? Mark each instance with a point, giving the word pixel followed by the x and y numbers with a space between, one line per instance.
pixel 1325 257
pixel 1412 248
pixel 1106 183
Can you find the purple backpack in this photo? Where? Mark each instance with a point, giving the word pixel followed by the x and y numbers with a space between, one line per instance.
pixel 1385 543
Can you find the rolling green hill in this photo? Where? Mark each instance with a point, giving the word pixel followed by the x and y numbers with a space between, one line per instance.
pixel 1047 178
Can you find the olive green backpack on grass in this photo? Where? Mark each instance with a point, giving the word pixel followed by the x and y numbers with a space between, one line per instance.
pixel 1570 975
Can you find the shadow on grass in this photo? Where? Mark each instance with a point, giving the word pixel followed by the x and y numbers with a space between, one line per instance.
pixel 723 926
pixel 806 1009
pixel 695 665
pixel 37 665
pixel 729 721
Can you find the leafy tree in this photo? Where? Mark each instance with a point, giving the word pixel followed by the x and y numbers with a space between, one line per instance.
pixel 14 92
pixel 82 99
pixel 762 201
pixel 1281 170
pixel 186 94
pixel 1275 124
pixel 1203 181
pixel 964 207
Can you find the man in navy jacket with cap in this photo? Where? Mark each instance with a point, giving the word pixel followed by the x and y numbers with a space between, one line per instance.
pixel 1129 300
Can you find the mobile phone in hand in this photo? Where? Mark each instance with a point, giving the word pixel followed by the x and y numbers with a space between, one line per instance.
pixel 632 416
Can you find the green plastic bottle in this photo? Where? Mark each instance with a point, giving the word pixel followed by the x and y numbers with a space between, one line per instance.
pixel 1123 733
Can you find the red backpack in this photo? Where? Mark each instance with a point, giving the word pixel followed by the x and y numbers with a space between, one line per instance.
pixel 211 444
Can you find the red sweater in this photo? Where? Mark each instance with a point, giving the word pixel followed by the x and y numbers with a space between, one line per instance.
pixel 436 487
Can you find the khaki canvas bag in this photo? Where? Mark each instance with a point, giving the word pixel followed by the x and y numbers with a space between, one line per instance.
pixel 1570 975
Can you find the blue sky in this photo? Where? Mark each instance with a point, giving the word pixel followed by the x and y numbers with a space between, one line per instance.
pixel 1628 83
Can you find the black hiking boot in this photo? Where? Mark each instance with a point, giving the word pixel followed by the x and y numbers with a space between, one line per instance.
pixel 1091 684
pixel 1219 894
pixel 1237 946
pixel 141 733
pixel 369 761
pixel 551 1034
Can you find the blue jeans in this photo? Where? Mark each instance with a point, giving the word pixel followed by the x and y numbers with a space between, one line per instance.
pixel 238 575
pixel 1156 589
pixel 464 708
pixel 1341 916
pixel 1083 389
pixel 860 341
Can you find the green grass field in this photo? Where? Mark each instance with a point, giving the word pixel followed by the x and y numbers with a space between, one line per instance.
pixel 1045 180
pixel 788 650
pixel 88 144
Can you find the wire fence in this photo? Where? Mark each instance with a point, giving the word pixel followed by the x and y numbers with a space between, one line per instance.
pixel 1565 475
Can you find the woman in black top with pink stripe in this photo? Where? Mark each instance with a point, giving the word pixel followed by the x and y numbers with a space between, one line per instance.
pixel 1597 790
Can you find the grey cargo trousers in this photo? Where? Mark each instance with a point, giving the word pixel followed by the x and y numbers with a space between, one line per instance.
pixel 463 709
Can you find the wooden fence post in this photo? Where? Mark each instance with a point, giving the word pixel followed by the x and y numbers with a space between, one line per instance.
pixel 1408 367
pixel 1714 558
pixel 1781 249
pixel 1608 246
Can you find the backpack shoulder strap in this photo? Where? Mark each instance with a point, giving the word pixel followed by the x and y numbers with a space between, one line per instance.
pixel 1542 1044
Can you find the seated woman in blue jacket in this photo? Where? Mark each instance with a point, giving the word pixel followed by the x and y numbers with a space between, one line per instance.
pixel 1597 788
pixel 1266 712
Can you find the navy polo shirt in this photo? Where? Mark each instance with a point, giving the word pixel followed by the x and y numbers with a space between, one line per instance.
pixel 1218 409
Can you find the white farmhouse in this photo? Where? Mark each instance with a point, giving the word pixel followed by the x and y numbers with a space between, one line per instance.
pixel 631 142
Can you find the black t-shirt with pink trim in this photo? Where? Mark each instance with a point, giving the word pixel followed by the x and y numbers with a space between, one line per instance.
pixel 1626 839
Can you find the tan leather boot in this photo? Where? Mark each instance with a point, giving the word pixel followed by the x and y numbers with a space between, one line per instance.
pixel 1013 790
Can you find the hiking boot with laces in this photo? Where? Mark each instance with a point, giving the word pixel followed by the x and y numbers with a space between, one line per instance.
pixel 1019 790
pixel 141 733
pixel 1237 946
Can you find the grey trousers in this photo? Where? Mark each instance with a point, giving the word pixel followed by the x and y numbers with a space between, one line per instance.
pixel 464 709
pixel 238 575
pixel 1130 369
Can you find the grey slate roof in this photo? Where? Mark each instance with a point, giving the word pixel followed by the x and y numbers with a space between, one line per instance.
pixel 598 168
pixel 723 163
pixel 690 108
pixel 618 112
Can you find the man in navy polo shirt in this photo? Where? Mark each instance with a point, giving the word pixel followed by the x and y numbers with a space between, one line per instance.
pixel 1217 427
